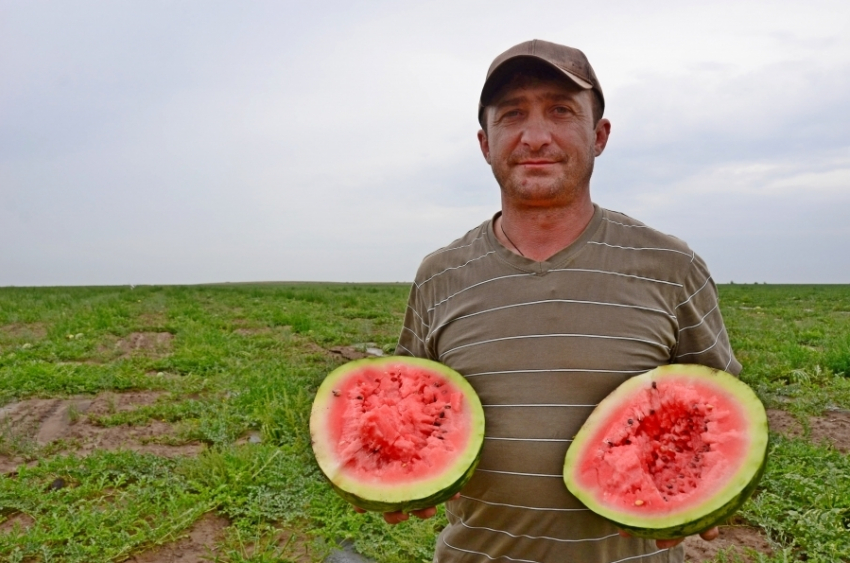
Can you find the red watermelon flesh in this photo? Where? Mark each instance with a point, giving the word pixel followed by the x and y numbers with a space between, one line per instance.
pixel 390 427
pixel 671 452
pixel 676 445
pixel 396 433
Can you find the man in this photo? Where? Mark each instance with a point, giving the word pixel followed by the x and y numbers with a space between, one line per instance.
pixel 545 309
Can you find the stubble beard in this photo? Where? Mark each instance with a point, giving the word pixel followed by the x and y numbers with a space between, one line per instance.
pixel 541 189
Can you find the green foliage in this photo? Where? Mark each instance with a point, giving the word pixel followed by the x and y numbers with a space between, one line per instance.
pixel 804 501
pixel 246 360
pixel 97 508
pixel 794 343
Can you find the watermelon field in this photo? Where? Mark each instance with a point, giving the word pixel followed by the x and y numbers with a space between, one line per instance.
pixel 157 424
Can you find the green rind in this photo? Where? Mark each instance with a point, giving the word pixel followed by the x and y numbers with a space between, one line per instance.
pixel 382 499
pixel 722 504
pixel 413 504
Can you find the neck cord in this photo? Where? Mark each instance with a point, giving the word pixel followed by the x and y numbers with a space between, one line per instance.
pixel 502 226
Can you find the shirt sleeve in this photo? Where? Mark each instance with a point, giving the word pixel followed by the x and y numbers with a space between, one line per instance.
pixel 411 342
pixel 702 337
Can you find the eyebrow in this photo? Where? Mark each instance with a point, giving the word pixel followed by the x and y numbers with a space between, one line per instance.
pixel 518 99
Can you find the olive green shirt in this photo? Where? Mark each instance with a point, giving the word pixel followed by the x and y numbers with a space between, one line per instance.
pixel 542 343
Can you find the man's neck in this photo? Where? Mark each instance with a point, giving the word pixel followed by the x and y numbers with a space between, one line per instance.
pixel 539 234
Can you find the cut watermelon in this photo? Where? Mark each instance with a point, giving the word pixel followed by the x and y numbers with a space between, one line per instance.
pixel 670 453
pixel 396 433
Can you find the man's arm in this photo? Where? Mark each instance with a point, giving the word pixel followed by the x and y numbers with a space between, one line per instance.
pixel 702 337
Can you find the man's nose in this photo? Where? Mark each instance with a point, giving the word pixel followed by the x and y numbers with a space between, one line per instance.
pixel 536 133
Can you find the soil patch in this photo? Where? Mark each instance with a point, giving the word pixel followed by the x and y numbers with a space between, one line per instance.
pixel 151 320
pixel 196 546
pixel 39 420
pixel 355 353
pixel 34 423
pixel 733 540
pixel 137 438
pixel 832 428
pixel 149 344
pixel 19 521
pixel 199 545
pixel 110 402
pixel 21 333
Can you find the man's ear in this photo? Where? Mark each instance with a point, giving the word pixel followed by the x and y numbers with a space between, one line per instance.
pixel 484 144
pixel 603 131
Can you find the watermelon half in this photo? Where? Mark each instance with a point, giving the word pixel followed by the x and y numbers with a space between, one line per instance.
pixel 396 433
pixel 670 453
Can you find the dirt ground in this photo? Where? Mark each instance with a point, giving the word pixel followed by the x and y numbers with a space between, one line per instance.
pixel 194 547
pixel 44 421
pixel 733 540
pixel 832 428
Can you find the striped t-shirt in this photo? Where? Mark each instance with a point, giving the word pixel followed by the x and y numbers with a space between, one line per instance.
pixel 542 343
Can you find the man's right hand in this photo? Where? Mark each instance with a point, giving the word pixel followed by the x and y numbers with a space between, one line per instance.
pixel 398 517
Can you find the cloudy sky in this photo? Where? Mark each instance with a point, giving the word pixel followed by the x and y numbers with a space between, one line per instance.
pixel 205 141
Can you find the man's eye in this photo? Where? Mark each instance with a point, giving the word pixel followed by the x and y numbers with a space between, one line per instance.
pixel 511 113
pixel 563 110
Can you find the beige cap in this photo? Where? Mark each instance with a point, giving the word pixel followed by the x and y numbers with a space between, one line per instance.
pixel 571 62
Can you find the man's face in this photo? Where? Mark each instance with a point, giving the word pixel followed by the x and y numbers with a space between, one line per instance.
pixel 541 141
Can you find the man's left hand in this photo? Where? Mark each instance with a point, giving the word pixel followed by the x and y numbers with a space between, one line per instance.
pixel 707 535
pixel 398 517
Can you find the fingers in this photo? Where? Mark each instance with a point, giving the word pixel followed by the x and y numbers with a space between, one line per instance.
pixel 425 512
pixel 710 534
pixel 667 544
pixel 398 517
pixel 395 517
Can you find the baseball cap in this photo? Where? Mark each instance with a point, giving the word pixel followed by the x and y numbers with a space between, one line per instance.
pixel 569 61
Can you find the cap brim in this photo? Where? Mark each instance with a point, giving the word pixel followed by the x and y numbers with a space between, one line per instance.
pixel 498 76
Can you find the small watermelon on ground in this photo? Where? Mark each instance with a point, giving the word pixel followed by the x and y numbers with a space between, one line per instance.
pixel 670 453
pixel 396 433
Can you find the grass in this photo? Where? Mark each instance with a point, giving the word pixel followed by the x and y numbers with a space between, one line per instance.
pixel 246 359
pixel 794 343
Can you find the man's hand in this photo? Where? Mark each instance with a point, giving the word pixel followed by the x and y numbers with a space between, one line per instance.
pixel 708 535
pixel 398 517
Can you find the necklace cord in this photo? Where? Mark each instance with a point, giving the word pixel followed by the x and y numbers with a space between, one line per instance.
pixel 502 227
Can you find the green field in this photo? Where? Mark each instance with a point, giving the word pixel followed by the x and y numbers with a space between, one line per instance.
pixel 177 402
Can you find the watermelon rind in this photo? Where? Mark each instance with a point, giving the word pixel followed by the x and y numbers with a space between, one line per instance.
pixel 405 497
pixel 709 512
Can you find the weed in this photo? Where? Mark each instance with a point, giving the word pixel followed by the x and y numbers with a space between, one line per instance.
pixel 73 413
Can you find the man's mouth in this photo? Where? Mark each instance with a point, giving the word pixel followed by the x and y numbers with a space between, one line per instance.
pixel 535 163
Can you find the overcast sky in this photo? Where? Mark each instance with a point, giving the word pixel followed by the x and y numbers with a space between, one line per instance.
pixel 206 141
